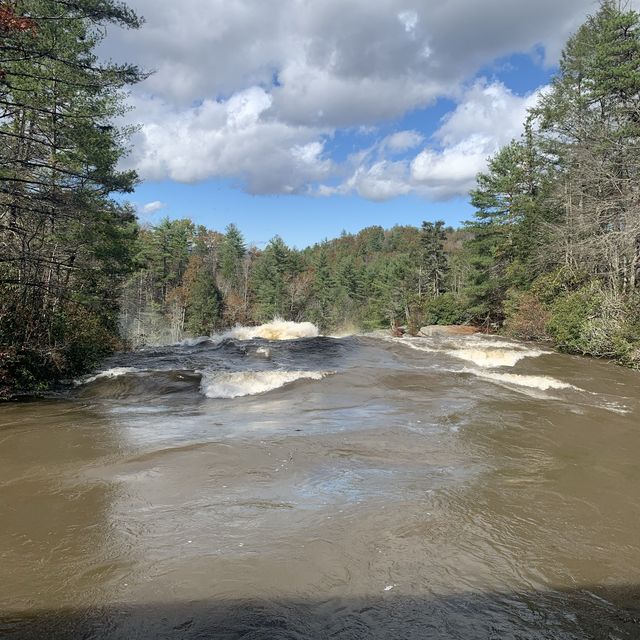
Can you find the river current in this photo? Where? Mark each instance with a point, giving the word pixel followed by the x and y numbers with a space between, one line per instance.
pixel 275 484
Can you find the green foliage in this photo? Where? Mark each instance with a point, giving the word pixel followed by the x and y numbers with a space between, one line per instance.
pixel 232 253
pixel 272 273
pixel 204 305
pixel 433 257
pixel 445 309
pixel 166 249
pixel 586 322
pixel 505 207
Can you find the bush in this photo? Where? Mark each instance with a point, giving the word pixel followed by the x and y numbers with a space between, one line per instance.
pixel 86 341
pixel 79 339
pixel 24 370
pixel 570 316
pixel 628 338
pixel 593 322
pixel 561 282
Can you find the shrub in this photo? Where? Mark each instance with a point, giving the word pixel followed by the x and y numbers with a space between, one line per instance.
pixel 24 370
pixel 561 282
pixel 86 342
pixel 594 322
pixel 628 338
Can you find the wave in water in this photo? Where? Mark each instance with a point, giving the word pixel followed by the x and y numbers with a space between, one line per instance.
pixel 532 382
pixel 494 357
pixel 277 329
pixel 248 383
pixel 115 372
pixel 487 353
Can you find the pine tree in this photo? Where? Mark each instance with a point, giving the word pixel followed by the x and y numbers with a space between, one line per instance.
pixel 232 253
pixel 323 292
pixel 433 260
pixel 204 304
pixel 505 199
pixel 271 275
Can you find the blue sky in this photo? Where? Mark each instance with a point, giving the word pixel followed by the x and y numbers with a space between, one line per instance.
pixel 306 118
pixel 299 220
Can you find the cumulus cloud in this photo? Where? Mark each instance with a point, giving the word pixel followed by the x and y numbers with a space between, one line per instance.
pixel 487 117
pixel 253 91
pixel 214 48
pixel 234 139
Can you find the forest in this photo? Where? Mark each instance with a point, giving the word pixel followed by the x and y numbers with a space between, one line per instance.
pixel 552 252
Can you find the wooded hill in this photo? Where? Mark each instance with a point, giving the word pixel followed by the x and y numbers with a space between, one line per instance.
pixel 553 251
pixel 197 281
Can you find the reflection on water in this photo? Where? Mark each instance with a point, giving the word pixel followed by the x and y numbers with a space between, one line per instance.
pixel 450 488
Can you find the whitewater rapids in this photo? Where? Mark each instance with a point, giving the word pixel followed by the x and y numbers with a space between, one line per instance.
pixel 277 329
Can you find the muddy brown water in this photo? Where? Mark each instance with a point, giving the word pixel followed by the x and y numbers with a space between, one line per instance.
pixel 361 487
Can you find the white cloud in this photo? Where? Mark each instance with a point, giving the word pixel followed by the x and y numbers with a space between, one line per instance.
pixel 212 48
pixel 381 181
pixel 403 140
pixel 151 208
pixel 252 90
pixel 487 117
pixel 230 139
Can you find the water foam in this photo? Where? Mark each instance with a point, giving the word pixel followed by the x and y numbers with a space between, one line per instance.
pixel 277 329
pixel 109 373
pixel 481 352
pixel 543 383
pixel 494 356
pixel 248 383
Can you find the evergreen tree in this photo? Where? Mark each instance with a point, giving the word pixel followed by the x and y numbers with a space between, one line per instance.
pixel 323 292
pixel 232 253
pixel 504 199
pixel 204 304
pixel 270 278
pixel 434 264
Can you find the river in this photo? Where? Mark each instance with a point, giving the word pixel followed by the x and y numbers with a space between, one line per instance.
pixel 316 487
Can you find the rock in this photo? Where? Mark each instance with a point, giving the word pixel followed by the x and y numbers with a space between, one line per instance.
pixel 447 330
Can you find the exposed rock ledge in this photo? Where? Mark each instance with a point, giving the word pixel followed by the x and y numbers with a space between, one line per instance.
pixel 447 330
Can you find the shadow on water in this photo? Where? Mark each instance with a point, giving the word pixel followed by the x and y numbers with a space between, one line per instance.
pixel 585 614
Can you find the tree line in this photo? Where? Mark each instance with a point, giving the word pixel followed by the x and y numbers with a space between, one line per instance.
pixel 193 281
